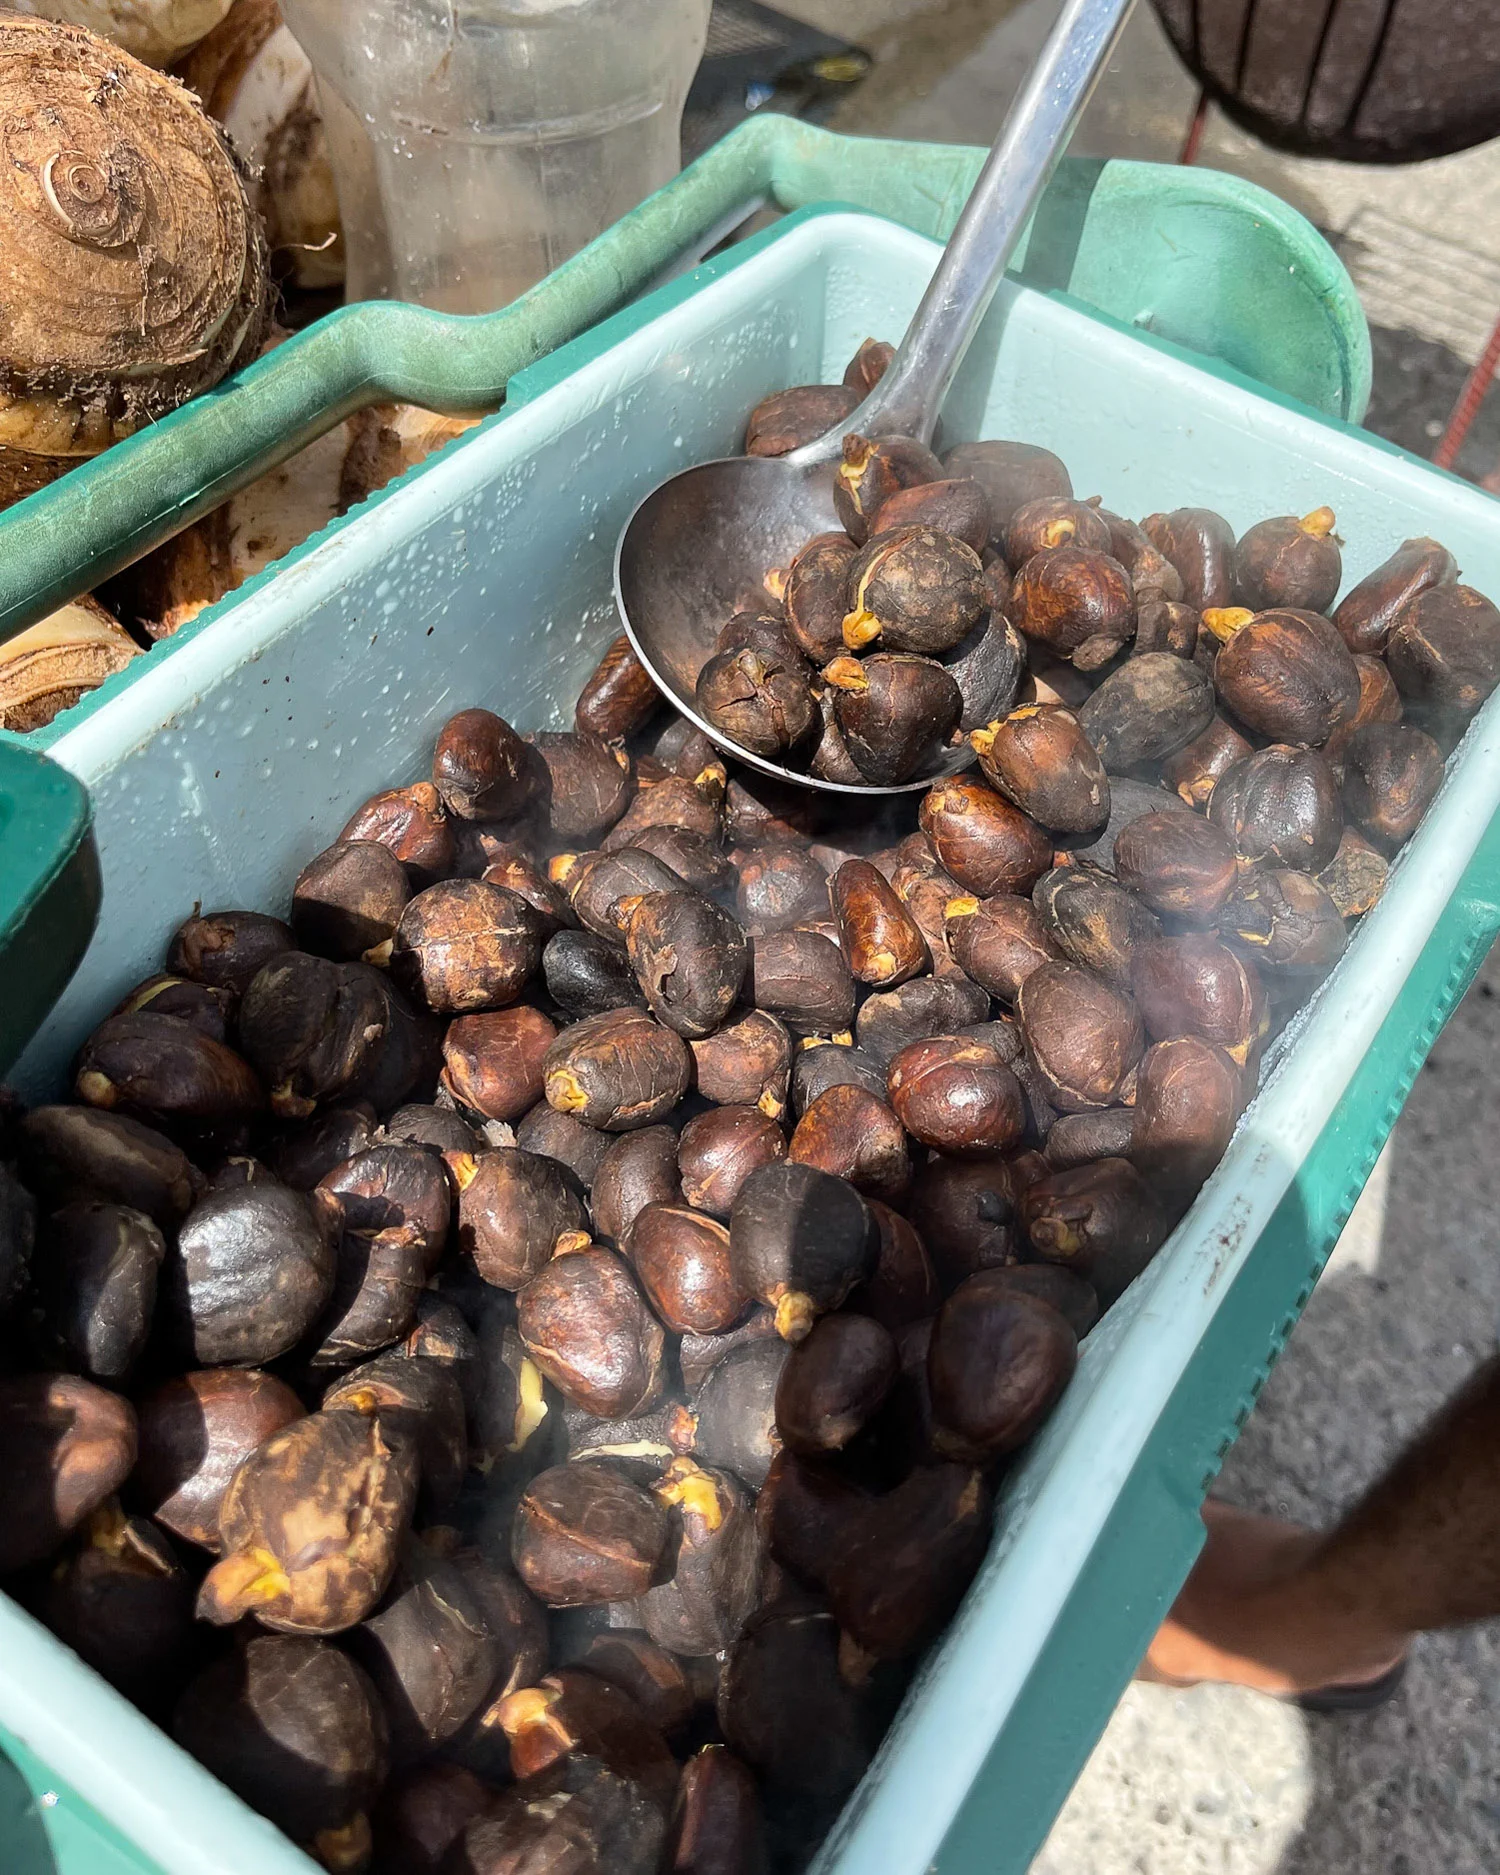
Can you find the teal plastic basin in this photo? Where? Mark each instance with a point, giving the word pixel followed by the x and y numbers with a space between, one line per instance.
pixel 486 579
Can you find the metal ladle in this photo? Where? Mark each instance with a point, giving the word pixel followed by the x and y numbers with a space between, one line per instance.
pixel 709 535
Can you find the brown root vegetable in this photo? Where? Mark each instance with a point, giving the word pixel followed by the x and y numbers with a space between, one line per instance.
pixel 1288 674
pixel 1280 806
pixel 194 1433
pixel 1082 1037
pixel 310 1526
pixel 1092 920
pixel 695 806
pixel 584 1535
pixel 879 939
pixel 1287 562
pixel 619 697
pixel 892 710
pixel 1180 865
pixel 1100 1220
pixel 872 470
pixel 618 1071
pixel 45 669
pixel 588 1328
pixel 689 956
pixel 1283 920
pixel 1369 610
pixel 1391 773
pixel 1194 770
pixel 465 945
pixel 1049 521
pixel 720 1149
pixel 1200 545
pixel 997 1362
pixel 1147 710
pixel 1194 985
pixel 1010 473
pixel 854 1135
pixel 1355 877
pixel 1067 596
pixel 747 1062
pixel 984 842
pixel 1189 1096
pixel 915 590
pixel 515 1210
pixel 65 1446
pixel 956 1096
pixel 1039 758
pixel 997 942
pixel 682 1261
pixel 786 420
pixel 252 1270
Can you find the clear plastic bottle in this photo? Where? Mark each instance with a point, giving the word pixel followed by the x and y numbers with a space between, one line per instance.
pixel 478 143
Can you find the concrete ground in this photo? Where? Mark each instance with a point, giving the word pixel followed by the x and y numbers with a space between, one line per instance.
pixel 1219 1781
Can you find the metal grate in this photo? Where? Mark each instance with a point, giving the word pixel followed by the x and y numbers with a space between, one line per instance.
pixel 733 34
pixel 1413 281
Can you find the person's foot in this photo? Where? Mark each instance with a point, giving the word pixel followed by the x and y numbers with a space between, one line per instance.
pixel 1252 1613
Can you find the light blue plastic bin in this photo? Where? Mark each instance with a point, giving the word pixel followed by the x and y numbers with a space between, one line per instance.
pixel 486 579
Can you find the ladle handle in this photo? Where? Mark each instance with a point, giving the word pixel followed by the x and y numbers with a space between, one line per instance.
pixel 908 398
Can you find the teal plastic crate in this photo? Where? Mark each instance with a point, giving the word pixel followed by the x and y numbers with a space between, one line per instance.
pixel 486 578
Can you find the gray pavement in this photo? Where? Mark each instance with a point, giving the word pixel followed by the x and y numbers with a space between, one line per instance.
pixel 1219 1781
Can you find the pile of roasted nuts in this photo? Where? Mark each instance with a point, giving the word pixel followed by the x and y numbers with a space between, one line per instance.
pixel 476 1500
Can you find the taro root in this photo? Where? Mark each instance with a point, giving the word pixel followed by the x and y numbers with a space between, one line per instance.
pixel 1194 770
pixel 1188 1097
pixel 915 590
pixel 161 1068
pixel 988 666
pixel 997 942
pixel 251 1272
pixel 779 885
pixel 872 470
pixel 465 945
pixel 1147 710
pixel 1039 758
pixel 310 1526
pixel 1367 611
pixel 833 1382
pixel 957 507
pixel 589 784
pixel 349 899
pixel 715 1586
pixel 816 583
pixel 897 1582
pixel 879 940
pixel 799 1241
pixel 787 1710
pixel 637 1170
pixel 301 1155
pixel 1287 562
pixel 1280 806
pixel 124 1603
pixel 482 768
pixel 515 1209
pixel 720 1149
pixel 761 701
pixel 587 975
pixel 1010 474
pixel 1200 545
pixel 1289 675
pixel 419 1405
pixel 492 1062
pixel 1355 877
pixel 803 979
pixel 617 1071
pixel 553 1135
pixel 1071 595
pixel 70 1152
pixel 981 840
pixel 585 1535
pixel 695 859
pixel 1164 624
pixel 956 1096
pixel 95 1286
pixel 412 824
pixel 395 1206
pixel 198 1004
pixel 822 1064
pixel 1050 521
pixel 682 1261
pixel 786 420
pixel 926 1006
pixel 892 710
pixel 734 1412
pixel 1078 1138
pixel 716 1826
pixel 1194 985
pixel 294 1727
pixel 1379 702
pixel 1180 865
pixel 854 1135
pixel 586 1325
pixel 1101 1220
pixel 1082 1037
pixel 194 1431
pixel 431 1656
pixel 997 1362
pixel 689 956
pixel 747 1062
pixel 902 1287
pixel 1092 920
pixel 227 949
pixel 65 1446
pixel 1283 920
pixel 423 1813
pixel 1391 773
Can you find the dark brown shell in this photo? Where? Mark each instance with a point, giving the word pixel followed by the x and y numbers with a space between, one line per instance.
pixel 1289 675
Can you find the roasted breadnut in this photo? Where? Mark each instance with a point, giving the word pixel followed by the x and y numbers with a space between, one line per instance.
pixel 1010 473
pixel 696 805
pixel 1128 801
pixel 1092 920
pixel 689 956
pixel 529 881
pixel 600 885
pixel 716 1826
pixel 831 760
pixel 121 1599
pixel 762 629
pixel 997 1362
pixel 786 420
pixel 1069 595
pixel 892 711
pixel 778 885
pixel 1367 611
pixel 1082 1037
pixel 681 1258
pixel 718 1151
pixel 1379 702
pixel 872 470
pixel 927 897
pixel 618 1071
pixel 981 840
pixel 1040 759
pixel 1355 877
pixel 587 975
pixel 589 784
pixel 1101 1220
pixel 412 823
pixel 71 1152
pixel 638 1169
pixel 998 941
pixel 956 1095
pixel 163 1070
pixel 823 1063
pixel 915 590
pixel 1079 1138
pixel 1283 920
pixel 584 1535
pixel 761 699
pixel 902 1287
pixel 515 1209
pixel 891 1019
pixel 423 1812
pixel 1280 806
pixel 1050 521
pixel 1200 544
pixel 816 585
pixel 881 943
pixel 227 949
pixel 868 365
pixel 94 1287
pixel 1289 562
pixel 1287 674
pixel 1189 1096
pixel 802 978
pixel 1151 572
pixel 194 1432
pixel 465 945
pixel 1444 653
pixel 1164 624
pixel 65 1446
pixel 963 1210
pixel 203 1008
pixel 988 666
pixel 733 1416
pixel 588 1328
pixel 716 1583
pixel 492 1062
pixel 1194 985
pixel 800 1239
pixel 349 899
pixel 956 506
pixel 482 768
pixel 619 697
pixel 1148 709
pixel 1391 773
pixel 851 1133
pixel 1180 865
pixel 252 1270
pixel 747 1062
